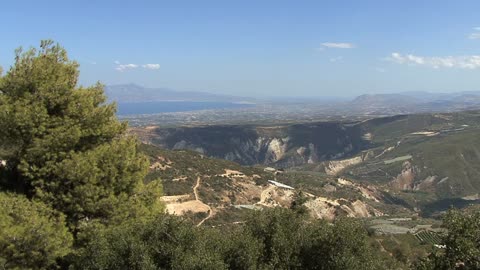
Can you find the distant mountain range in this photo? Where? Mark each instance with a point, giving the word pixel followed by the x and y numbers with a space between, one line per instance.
pixel 133 93
pixel 418 97
pixel 411 102
pixel 128 96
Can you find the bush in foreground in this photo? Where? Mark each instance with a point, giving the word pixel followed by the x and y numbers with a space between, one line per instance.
pixel 31 234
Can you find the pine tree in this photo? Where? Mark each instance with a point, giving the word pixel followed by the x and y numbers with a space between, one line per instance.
pixel 63 144
pixel 32 236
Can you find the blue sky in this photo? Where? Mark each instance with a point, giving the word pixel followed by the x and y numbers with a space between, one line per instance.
pixel 259 48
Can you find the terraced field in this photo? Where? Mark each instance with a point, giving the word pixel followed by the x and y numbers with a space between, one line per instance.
pixel 429 237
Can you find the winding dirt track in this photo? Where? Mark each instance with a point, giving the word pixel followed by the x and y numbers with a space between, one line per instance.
pixel 195 189
pixel 197 198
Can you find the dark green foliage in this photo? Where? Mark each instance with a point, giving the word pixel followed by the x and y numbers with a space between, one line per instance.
pixel 231 215
pixel 298 203
pixel 451 155
pixel 341 246
pixel 133 245
pixel 63 145
pixel 281 233
pixel 166 242
pixel 462 243
pixel 32 236
pixel 270 239
pixel 292 241
pixel 404 248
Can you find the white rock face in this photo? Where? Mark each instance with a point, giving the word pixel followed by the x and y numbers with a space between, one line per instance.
pixel 325 208
pixel 273 149
pixel 367 136
pixel 334 167
pixel 344 182
pixel 276 149
pixel 322 208
pixel 301 150
pixel 404 181
pixel 261 141
pixel 261 148
pixel 472 197
pixel 312 158
pixel 385 151
pixel 443 180
pixel 360 209
pixel 426 183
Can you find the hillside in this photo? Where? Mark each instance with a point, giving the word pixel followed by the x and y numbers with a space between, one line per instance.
pixel 425 161
pixel 283 146
pixel 428 161
pixel 290 145
pixel 217 191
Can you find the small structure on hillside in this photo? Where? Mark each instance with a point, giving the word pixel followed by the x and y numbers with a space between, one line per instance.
pixel 270 169
pixel 278 184
pixel 275 171
pixel 232 174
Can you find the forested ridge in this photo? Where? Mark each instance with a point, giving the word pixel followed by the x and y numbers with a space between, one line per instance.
pixel 73 196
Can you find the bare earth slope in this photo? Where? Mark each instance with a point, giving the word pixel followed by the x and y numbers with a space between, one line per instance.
pixel 217 191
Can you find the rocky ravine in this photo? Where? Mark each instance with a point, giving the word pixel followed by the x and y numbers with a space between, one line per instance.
pixel 282 146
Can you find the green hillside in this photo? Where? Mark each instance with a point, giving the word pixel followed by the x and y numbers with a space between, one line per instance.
pixel 425 161
pixel 188 165
pixel 430 161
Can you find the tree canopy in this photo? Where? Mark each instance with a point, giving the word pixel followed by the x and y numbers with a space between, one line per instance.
pixel 271 239
pixel 462 243
pixel 32 235
pixel 63 144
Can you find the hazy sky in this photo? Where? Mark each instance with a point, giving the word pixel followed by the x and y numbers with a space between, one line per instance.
pixel 260 47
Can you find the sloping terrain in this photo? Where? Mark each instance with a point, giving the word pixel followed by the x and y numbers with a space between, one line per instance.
pixel 424 162
pixel 291 145
pixel 284 146
pixel 430 162
pixel 217 191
